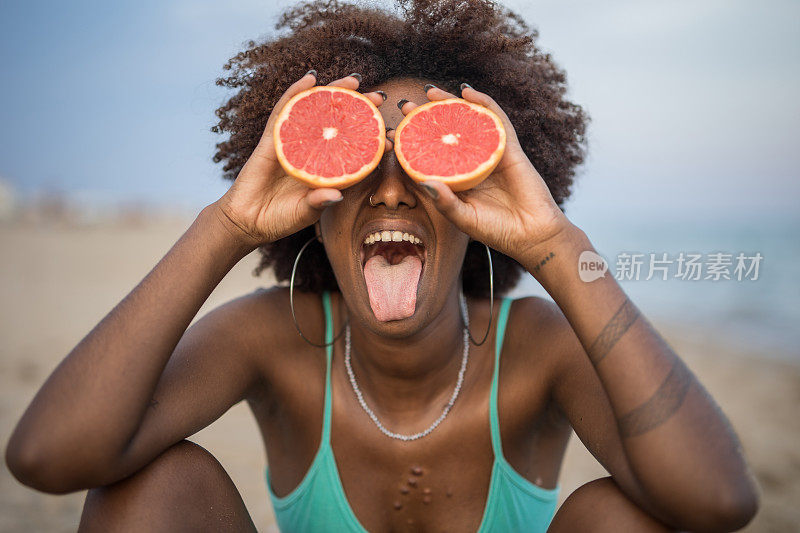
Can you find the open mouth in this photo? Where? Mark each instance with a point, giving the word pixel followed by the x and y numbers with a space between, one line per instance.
pixel 392 262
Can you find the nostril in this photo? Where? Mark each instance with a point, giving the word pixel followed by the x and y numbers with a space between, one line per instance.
pixel 392 202
pixel 393 191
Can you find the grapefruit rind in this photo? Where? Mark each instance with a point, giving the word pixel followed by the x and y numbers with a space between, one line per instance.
pixel 315 181
pixel 456 182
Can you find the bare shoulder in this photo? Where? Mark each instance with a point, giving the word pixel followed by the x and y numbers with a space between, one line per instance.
pixel 259 325
pixel 540 331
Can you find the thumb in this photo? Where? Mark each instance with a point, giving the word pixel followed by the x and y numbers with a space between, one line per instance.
pixel 319 199
pixel 314 202
pixel 450 205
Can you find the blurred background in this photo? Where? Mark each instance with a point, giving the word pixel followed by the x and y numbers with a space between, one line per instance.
pixel 694 147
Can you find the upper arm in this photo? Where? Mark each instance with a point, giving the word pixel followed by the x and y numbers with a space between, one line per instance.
pixel 579 395
pixel 212 368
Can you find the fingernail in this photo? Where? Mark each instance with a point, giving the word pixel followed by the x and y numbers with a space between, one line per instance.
pixel 401 103
pixel 433 193
pixel 356 75
pixel 328 203
pixel 429 86
pixel 312 72
pixel 383 95
pixel 465 86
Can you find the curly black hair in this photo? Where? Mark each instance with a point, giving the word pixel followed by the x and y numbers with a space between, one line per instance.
pixel 446 41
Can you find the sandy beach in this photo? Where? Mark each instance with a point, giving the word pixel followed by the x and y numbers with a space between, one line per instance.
pixel 58 280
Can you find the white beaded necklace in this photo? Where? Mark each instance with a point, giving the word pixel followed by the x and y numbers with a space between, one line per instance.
pixel 360 397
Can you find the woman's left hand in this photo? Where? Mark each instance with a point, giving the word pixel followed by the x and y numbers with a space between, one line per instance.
pixel 512 210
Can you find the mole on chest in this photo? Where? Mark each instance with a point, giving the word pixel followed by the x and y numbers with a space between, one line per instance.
pixel 414 489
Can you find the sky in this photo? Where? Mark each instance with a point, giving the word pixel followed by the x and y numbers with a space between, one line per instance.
pixel 694 105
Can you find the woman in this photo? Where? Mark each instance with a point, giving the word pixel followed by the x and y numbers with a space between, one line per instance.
pixel 401 423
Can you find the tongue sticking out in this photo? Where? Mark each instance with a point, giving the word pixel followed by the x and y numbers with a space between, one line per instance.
pixel 392 288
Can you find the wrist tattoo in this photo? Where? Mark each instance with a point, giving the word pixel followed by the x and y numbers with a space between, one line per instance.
pixel 542 263
pixel 613 331
pixel 661 406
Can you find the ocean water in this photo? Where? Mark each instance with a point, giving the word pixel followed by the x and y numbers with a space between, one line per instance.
pixel 761 315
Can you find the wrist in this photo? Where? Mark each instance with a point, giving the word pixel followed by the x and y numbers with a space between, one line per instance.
pixel 563 237
pixel 556 255
pixel 223 233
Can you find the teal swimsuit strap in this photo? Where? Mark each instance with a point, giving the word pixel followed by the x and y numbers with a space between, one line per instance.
pixel 502 318
pixel 326 420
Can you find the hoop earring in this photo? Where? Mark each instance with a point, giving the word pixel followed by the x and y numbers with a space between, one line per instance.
pixel 463 302
pixel 291 301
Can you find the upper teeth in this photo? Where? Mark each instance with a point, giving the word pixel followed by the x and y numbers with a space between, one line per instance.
pixel 391 236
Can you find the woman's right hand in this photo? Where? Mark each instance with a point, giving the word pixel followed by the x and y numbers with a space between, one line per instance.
pixel 265 204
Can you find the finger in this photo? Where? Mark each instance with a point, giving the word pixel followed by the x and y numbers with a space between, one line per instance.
pixel 321 198
pixel 264 151
pixel 435 93
pixel 376 97
pixel 389 146
pixel 470 94
pixel 311 205
pixel 450 205
pixel 405 106
pixel 351 81
pixel 308 80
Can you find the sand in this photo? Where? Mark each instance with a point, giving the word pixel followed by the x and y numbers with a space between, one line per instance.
pixel 68 276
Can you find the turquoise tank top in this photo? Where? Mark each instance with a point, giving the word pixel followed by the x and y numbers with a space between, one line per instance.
pixel 319 503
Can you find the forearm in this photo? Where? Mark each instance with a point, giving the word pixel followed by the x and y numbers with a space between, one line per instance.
pixel 677 442
pixel 93 403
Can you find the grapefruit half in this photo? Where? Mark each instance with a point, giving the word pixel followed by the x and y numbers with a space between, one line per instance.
pixel 329 137
pixel 454 141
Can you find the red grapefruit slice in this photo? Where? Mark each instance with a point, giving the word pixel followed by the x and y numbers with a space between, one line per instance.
pixel 329 137
pixel 454 141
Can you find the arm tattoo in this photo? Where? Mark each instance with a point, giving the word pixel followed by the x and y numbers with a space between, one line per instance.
pixel 625 316
pixel 661 406
pixel 542 263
